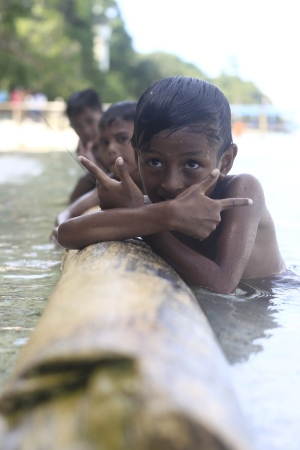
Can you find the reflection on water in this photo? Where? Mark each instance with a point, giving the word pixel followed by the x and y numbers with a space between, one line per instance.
pixel 268 384
pixel 33 188
pixel 258 330
pixel 228 315
pixel 258 327
pixel 239 320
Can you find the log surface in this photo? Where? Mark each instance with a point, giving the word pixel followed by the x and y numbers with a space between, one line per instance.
pixel 122 358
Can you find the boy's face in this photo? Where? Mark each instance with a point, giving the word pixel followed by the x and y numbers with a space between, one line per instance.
pixel 114 142
pixel 86 125
pixel 173 163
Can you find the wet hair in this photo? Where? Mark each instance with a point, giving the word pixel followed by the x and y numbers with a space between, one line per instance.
pixel 80 100
pixel 181 102
pixel 121 110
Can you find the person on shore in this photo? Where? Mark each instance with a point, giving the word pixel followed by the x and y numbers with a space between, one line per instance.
pixel 84 111
pixel 116 128
pixel 197 217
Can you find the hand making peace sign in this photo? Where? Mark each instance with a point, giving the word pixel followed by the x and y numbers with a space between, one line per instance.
pixel 113 193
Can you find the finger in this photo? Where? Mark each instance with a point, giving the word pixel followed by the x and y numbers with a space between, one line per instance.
pixel 228 203
pixel 89 146
pixel 122 171
pixel 80 148
pixel 100 176
pixel 209 180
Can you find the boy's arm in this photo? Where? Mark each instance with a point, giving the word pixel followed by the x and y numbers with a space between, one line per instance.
pixel 113 224
pixel 233 248
pixel 128 222
pixel 85 184
pixel 133 218
pixel 78 207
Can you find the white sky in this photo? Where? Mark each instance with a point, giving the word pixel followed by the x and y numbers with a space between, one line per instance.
pixel 258 40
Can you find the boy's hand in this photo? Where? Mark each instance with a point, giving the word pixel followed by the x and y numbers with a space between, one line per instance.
pixel 86 151
pixel 113 193
pixel 197 215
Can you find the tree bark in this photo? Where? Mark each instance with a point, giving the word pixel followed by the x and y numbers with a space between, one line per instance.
pixel 122 358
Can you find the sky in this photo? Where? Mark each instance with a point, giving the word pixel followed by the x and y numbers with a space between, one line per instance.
pixel 257 40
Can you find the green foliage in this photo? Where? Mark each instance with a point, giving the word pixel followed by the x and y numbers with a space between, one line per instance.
pixel 49 45
pixel 153 67
pixel 237 90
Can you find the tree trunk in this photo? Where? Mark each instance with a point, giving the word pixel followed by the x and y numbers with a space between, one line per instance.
pixel 122 358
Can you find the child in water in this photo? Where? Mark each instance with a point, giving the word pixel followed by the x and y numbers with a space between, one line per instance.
pixel 84 110
pixel 116 128
pixel 212 227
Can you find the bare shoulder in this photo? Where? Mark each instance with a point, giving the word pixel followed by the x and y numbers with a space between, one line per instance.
pixel 242 185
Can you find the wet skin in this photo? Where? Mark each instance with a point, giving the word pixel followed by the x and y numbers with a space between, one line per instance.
pixel 173 163
pixel 86 125
pixel 115 142
pixel 192 195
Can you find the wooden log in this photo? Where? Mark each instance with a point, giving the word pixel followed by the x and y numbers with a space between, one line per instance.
pixel 122 358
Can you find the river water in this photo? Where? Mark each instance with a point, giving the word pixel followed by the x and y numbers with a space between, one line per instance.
pixel 258 328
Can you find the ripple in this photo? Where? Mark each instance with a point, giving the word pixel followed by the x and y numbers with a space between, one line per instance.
pixel 25 277
pixel 35 263
pixel 21 341
pixel 15 169
pixel 44 247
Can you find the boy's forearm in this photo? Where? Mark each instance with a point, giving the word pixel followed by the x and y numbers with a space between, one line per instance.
pixel 83 203
pixel 113 225
pixel 78 207
pixel 194 268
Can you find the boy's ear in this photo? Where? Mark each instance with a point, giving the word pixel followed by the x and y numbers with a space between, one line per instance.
pixel 227 159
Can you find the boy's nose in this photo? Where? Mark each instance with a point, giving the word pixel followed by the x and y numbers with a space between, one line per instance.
pixel 172 185
pixel 112 148
pixel 88 133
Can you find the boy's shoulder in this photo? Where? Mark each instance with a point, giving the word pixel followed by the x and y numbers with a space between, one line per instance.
pixel 241 185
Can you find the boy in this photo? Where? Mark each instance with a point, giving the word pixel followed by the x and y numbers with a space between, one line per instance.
pixel 184 150
pixel 84 111
pixel 116 128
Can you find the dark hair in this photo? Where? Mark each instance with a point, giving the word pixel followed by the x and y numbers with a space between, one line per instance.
pixel 122 110
pixel 183 102
pixel 81 100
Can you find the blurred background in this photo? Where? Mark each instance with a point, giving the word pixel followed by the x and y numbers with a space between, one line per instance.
pixel 51 48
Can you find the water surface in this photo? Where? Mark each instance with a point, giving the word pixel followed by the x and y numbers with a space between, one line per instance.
pixel 33 188
pixel 258 328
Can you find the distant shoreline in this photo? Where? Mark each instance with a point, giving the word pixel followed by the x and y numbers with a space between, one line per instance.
pixel 35 137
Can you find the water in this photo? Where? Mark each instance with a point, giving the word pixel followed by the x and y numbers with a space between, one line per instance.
pixel 258 329
pixel 33 188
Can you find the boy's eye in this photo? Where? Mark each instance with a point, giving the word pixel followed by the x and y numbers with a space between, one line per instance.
pixel 122 139
pixel 154 162
pixel 192 165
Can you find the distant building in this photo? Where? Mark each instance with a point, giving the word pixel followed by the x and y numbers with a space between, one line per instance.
pixel 264 117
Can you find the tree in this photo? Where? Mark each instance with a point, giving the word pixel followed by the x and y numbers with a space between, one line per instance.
pixel 155 66
pixel 237 90
pixel 49 45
